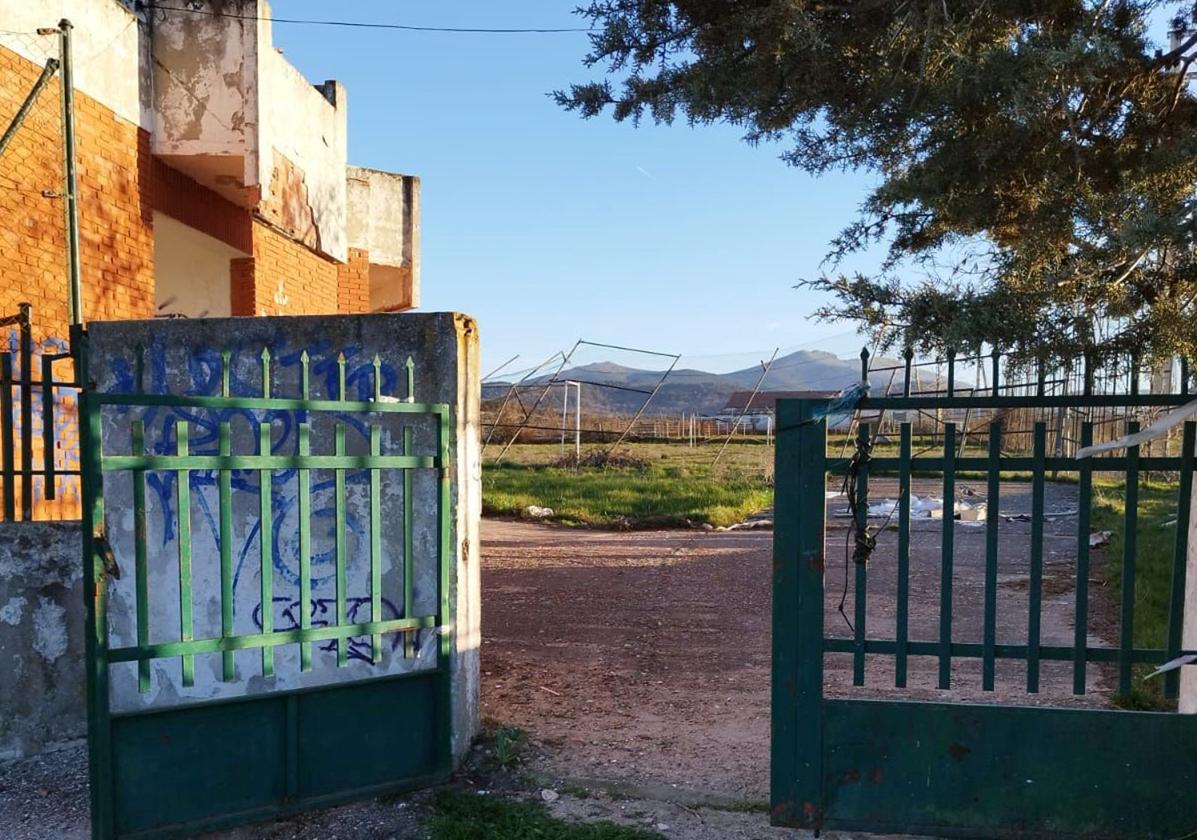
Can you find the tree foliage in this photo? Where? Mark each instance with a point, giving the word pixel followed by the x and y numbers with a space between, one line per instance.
pixel 1038 158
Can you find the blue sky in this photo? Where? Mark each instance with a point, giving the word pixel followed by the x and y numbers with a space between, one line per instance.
pixel 547 227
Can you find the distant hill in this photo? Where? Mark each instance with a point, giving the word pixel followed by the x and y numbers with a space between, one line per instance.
pixel 689 391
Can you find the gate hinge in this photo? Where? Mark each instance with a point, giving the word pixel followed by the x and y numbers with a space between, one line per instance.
pixel 107 556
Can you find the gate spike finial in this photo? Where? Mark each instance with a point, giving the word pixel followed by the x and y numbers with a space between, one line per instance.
pixel 341 375
pixel 377 362
pixel 266 373
pixel 304 380
pixel 225 358
pixel 411 379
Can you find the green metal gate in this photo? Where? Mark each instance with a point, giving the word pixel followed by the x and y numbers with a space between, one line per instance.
pixel 931 764
pixel 267 622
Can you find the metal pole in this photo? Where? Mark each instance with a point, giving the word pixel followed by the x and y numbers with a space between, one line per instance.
pixel 22 112
pixel 644 405
pixel 26 351
pixel 578 421
pixel 764 372
pixel 564 413
pixel 72 181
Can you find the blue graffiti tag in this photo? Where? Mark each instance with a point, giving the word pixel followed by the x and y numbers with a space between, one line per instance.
pixel 205 368
pixel 323 614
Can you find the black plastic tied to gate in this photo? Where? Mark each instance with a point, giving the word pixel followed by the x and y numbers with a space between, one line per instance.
pixel 865 541
pixel 860 542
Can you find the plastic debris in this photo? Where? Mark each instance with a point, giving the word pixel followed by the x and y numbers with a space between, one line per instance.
pixel 930 507
pixel 1099 538
pixel 1172 665
pixel 538 512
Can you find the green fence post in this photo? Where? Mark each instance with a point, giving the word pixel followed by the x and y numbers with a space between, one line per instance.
pixel 95 594
pixel 796 784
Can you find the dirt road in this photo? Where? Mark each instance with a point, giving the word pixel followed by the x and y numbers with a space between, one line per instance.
pixel 644 658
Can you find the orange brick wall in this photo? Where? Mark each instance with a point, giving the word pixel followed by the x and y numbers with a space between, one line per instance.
pixel 283 278
pixel 116 221
pixel 184 200
pixel 115 235
pixel 353 283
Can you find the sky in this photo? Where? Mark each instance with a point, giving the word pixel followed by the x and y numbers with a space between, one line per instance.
pixel 548 228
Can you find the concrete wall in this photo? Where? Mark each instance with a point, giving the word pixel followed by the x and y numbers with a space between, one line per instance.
pixel 191 271
pixel 384 220
pixel 205 95
pixel 41 637
pixel 303 149
pixel 104 44
pixel 184 357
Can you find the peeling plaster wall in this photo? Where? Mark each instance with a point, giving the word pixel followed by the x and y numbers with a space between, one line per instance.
pixel 235 115
pixel 205 72
pixel 104 45
pixel 41 636
pixel 303 154
pixel 384 220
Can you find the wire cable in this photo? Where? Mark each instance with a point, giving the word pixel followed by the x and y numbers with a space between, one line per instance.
pixel 369 25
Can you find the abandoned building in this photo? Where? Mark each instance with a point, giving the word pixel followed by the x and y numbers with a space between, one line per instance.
pixel 213 182
pixel 213 178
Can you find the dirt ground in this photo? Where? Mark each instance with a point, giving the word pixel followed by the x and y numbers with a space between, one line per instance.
pixel 639 664
pixel 643 660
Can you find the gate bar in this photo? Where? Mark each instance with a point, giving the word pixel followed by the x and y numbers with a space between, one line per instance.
pixel 183 504
pixel 1080 639
pixel 903 618
pixel 265 545
pixel 1126 640
pixel 6 437
pixel 225 496
pixel 992 518
pixel 945 575
pixel 305 548
pixel 1176 607
pixel 859 560
pixel 1035 574
pixel 141 573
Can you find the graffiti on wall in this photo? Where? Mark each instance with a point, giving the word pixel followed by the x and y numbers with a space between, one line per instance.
pixel 64 421
pixel 204 375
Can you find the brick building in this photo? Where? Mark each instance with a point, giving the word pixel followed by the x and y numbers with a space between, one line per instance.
pixel 213 181
pixel 212 176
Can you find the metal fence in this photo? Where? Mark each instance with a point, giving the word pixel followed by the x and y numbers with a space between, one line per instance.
pixel 999 764
pixel 39 474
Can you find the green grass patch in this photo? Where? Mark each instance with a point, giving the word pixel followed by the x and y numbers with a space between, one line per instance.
pixel 1155 545
pixel 658 495
pixel 511 743
pixel 467 816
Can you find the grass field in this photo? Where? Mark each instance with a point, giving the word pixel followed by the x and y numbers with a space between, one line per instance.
pixel 675 485
pixel 672 485
pixel 1155 543
pixel 471 816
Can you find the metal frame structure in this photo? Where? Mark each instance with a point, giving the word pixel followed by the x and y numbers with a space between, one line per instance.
pixel 19 465
pixel 957 769
pixel 547 385
pixel 207 764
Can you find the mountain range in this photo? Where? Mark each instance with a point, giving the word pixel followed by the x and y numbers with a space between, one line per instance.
pixel 610 388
